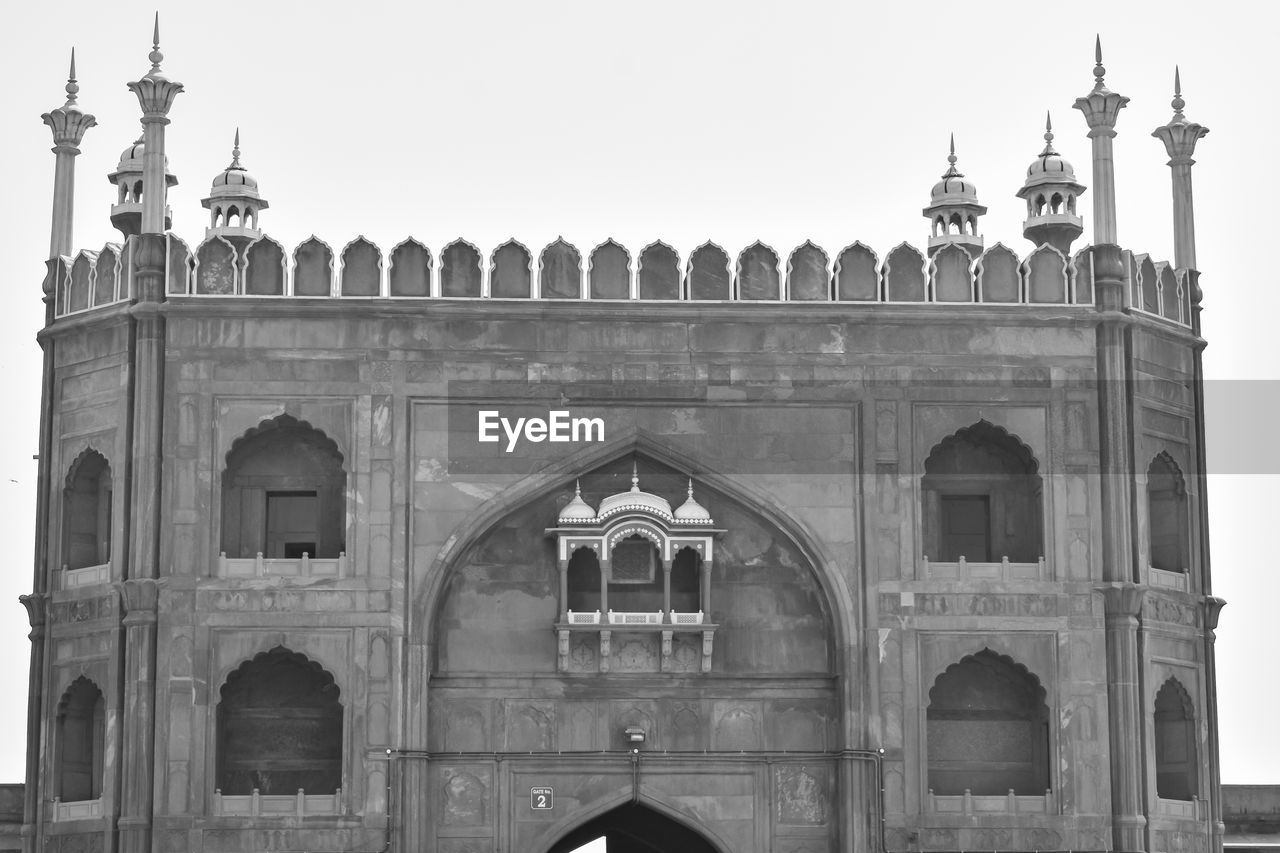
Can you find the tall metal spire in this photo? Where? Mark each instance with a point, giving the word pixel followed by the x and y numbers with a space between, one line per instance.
pixel 952 171
pixel 155 56
pixel 1048 135
pixel 235 152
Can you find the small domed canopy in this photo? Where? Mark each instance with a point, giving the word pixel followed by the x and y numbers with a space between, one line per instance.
pixel 691 510
pixel 235 182
pixel 953 210
pixel 1050 167
pixel 635 501
pixel 577 510
pixel 130 165
pixel 953 188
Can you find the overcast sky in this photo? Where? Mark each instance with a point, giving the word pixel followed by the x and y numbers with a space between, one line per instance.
pixel 730 120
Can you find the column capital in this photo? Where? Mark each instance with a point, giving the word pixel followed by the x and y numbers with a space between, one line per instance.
pixel 1212 610
pixel 1179 135
pixel 37 610
pixel 1122 599
pixel 68 122
pixel 140 597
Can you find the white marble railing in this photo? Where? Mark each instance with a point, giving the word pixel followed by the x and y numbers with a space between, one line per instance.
pixel 77 809
pixel 686 618
pixel 622 617
pixel 590 618
pixel 964 570
pixel 1009 803
pixel 300 804
pixel 86 576
pixel 275 567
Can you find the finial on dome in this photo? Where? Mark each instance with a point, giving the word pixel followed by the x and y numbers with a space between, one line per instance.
pixel 952 171
pixel 72 88
pixel 1048 135
pixel 577 488
pixel 1177 103
pixel 690 492
pixel 635 476
pixel 155 56
pixel 235 152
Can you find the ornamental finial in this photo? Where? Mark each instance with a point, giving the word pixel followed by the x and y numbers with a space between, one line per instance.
pixel 635 476
pixel 72 87
pixel 1048 135
pixel 690 493
pixel 1098 70
pixel 952 171
pixel 235 152
pixel 577 488
pixel 155 56
pixel 1177 103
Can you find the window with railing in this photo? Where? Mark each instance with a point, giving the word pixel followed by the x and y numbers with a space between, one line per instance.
pixel 79 745
pixel 86 521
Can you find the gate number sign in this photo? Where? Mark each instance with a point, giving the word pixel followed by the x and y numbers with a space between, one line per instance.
pixel 541 798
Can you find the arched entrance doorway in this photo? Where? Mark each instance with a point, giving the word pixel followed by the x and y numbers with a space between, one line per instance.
pixel 634 828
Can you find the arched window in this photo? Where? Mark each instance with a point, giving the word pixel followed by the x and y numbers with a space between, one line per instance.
pixel 987 729
pixel 279 728
pixel 1176 766
pixel 81 735
pixel 1167 515
pixel 86 512
pixel 284 493
pixel 982 498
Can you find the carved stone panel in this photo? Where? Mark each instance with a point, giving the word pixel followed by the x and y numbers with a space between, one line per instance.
pixel 801 796
pixel 463 797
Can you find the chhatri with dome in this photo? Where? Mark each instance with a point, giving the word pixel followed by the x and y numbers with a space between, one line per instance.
pixel 887 550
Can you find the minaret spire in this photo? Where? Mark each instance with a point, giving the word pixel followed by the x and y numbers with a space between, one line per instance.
pixel 1179 137
pixel 155 95
pixel 1101 107
pixel 1048 134
pixel 68 123
pixel 235 152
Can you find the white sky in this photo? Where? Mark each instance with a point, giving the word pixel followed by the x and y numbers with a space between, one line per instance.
pixel 722 119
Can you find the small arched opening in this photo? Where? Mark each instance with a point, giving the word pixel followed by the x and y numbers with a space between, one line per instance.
pixel 279 728
pixel 1167 515
pixel 81 736
pixel 1175 731
pixel 987 729
pixel 86 508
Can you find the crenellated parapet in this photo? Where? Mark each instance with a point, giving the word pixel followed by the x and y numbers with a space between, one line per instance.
pixel 314 269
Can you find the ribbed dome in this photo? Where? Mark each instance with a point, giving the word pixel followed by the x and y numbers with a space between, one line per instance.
pixel 131 158
pixel 635 501
pixel 577 509
pixel 691 510
pixel 1050 167
pixel 954 188
pixel 235 181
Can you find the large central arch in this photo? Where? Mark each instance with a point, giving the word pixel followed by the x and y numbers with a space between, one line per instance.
pixel 635 828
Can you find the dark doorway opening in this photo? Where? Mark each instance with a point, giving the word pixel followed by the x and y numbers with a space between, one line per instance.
pixel 635 829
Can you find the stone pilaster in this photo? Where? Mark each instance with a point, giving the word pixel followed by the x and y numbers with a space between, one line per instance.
pixel 1123 607
pixel 68 124
pixel 36 604
pixel 155 95
pixel 1212 609
pixel 140 598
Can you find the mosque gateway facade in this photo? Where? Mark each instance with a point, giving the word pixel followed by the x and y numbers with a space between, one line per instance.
pixel 872 550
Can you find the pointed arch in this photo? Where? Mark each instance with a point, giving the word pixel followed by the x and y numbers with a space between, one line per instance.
pixel 857 274
pixel 757 277
pixel 1168 286
pixel 707 278
pixel 460 274
pixel 313 268
pixel 808 278
pixel 950 274
pixel 560 271
pixel 1147 284
pixel 998 275
pixel 1045 271
pixel 1082 276
pixel 361 273
pixel 81 280
pixel 1168 518
pixel 987 728
pixel 509 271
pixel 217 268
pixel 284 492
pixel 904 277
pixel 1185 285
pixel 264 267
pixel 982 496
pixel 180 267
pixel 86 511
pixel 1177 765
pixel 627 443
pixel 107 272
pixel 81 742
pixel 410 269
pixel 580 825
pixel 659 272
pixel 279 727
pixel 609 271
